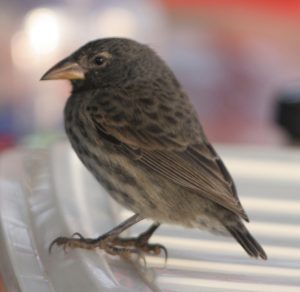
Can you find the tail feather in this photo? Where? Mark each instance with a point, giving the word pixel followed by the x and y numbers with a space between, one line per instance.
pixel 246 240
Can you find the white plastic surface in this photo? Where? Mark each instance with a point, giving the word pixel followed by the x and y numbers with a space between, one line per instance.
pixel 47 193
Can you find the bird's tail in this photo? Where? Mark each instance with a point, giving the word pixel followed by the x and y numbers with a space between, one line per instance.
pixel 239 231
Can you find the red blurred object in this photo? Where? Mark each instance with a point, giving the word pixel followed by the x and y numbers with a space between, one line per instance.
pixel 6 141
pixel 287 8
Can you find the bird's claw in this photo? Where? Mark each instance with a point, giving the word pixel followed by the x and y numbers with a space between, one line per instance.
pixel 67 242
pixel 77 234
pixel 141 244
pixel 59 241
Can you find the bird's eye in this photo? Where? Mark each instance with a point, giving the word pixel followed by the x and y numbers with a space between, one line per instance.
pixel 99 60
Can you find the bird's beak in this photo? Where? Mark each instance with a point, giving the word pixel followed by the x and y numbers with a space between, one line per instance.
pixel 65 69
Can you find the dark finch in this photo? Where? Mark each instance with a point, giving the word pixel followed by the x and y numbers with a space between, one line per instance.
pixel 134 128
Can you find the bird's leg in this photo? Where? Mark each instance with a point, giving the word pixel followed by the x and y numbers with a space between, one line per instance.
pixel 141 242
pixel 105 241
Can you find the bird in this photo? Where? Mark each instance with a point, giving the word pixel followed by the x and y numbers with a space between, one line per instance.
pixel 134 128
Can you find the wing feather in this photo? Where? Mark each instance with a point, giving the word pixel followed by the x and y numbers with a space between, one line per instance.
pixel 197 177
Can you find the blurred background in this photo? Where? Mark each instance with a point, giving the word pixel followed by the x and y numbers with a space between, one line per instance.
pixel 237 60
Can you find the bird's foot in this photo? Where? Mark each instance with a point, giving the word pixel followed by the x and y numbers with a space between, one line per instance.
pixel 105 243
pixel 141 244
pixel 112 245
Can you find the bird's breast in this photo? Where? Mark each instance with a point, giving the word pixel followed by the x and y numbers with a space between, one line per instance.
pixel 118 173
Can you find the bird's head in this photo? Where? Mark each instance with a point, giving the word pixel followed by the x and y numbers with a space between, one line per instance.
pixel 105 62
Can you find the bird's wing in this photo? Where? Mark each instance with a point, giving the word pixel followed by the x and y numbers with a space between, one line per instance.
pixel 178 150
pixel 197 168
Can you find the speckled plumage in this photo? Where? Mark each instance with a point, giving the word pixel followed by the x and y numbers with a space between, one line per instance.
pixel 133 127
